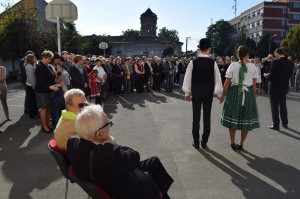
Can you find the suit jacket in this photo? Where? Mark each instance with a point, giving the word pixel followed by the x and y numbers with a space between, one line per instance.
pixel 115 169
pixel 280 74
pixel 77 79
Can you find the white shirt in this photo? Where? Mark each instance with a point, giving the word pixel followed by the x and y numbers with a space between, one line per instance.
pixel 233 73
pixel 187 83
pixel 101 73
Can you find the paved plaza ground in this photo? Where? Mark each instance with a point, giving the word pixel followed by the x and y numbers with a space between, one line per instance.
pixel 160 124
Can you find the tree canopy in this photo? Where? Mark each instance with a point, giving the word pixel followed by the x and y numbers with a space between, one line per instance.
pixel 131 33
pixel 291 43
pixel 171 35
pixel 219 34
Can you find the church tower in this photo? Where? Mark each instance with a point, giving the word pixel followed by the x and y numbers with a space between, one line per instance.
pixel 148 23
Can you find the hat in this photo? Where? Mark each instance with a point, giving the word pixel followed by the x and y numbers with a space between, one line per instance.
pixel 56 56
pixel 95 69
pixel 204 44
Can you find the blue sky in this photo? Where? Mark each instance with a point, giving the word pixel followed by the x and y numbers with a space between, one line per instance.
pixel 189 17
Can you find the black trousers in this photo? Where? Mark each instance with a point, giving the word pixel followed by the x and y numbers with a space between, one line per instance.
pixel 158 173
pixel 118 86
pixel 198 102
pixel 278 102
pixel 30 97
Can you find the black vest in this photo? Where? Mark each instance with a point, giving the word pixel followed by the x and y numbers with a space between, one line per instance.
pixel 203 77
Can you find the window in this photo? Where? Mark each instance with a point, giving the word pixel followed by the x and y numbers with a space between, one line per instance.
pixel 296 16
pixel 261 11
pixel 119 52
pixel 284 22
pixel 250 26
pixel 283 33
pixel 296 5
pixel 261 22
pixel 260 33
pixel 284 11
pixel 254 34
pixel 255 24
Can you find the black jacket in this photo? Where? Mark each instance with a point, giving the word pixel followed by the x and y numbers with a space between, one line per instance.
pixel 280 74
pixel 45 77
pixel 115 169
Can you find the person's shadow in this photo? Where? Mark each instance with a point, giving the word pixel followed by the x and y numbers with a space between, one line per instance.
pixel 249 184
pixel 27 163
pixel 283 174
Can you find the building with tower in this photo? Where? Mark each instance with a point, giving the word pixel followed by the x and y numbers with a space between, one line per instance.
pixel 149 44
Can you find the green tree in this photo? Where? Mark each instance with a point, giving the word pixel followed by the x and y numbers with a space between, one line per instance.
pixel 219 34
pixel 169 50
pixel 170 35
pixel 131 33
pixel 20 31
pixel 291 43
pixel 263 46
pixel 70 38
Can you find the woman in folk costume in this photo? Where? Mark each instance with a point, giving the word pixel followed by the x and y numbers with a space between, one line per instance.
pixel 240 110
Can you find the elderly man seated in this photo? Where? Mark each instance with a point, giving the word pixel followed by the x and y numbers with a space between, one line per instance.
pixel 75 101
pixel 96 158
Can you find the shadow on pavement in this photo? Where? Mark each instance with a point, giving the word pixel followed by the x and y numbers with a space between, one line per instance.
pixel 25 165
pixel 251 185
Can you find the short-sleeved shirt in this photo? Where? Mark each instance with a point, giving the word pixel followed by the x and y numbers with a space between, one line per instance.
pixel 233 73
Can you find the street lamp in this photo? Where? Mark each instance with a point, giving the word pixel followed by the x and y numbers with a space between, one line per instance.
pixel 186 44
pixel 271 42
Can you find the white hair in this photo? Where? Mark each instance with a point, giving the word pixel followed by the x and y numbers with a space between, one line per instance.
pixel 89 120
pixel 71 93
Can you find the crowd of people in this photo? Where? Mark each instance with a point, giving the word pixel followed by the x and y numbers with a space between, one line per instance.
pixel 65 91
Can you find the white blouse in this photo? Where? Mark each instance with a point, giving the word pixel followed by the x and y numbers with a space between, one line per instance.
pixel 233 73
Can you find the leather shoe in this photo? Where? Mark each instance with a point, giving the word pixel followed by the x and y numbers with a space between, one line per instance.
pixel 239 147
pixel 273 127
pixel 196 146
pixel 285 126
pixel 203 145
pixel 233 146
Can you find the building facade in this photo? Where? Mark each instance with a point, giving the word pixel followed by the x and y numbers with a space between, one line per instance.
pixel 149 44
pixel 276 18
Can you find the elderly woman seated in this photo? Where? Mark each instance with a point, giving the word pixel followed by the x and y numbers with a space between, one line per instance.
pixel 75 101
pixel 96 158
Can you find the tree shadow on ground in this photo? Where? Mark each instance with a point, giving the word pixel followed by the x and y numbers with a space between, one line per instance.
pixel 27 163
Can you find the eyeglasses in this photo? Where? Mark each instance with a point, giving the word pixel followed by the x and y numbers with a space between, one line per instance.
pixel 109 123
pixel 81 105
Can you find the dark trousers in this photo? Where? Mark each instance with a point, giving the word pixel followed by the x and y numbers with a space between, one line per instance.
pixel 278 100
pixel 158 173
pixel 118 86
pixel 30 97
pixel 3 98
pixel 156 82
pixel 266 84
pixel 206 101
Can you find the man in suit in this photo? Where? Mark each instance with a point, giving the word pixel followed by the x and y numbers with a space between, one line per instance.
pixel 202 79
pixel 280 74
pixel 116 168
pixel 79 78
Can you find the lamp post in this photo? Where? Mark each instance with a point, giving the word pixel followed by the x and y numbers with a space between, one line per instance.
pixel 186 44
pixel 271 42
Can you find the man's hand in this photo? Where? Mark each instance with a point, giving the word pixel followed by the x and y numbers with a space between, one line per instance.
pixel 188 98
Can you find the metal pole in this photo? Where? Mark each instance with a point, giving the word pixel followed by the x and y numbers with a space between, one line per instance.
pixel 58 36
pixel 186 44
pixel 270 44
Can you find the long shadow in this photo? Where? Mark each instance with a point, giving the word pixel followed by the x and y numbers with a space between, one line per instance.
pixel 249 184
pixel 294 131
pixel 289 135
pixel 283 174
pixel 27 163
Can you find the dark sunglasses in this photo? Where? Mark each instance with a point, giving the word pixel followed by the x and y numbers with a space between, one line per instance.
pixel 81 105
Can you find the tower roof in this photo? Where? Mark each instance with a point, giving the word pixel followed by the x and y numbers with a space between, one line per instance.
pixel 148 13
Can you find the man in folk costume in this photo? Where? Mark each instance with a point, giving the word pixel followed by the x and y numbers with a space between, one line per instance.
pixel 202 79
